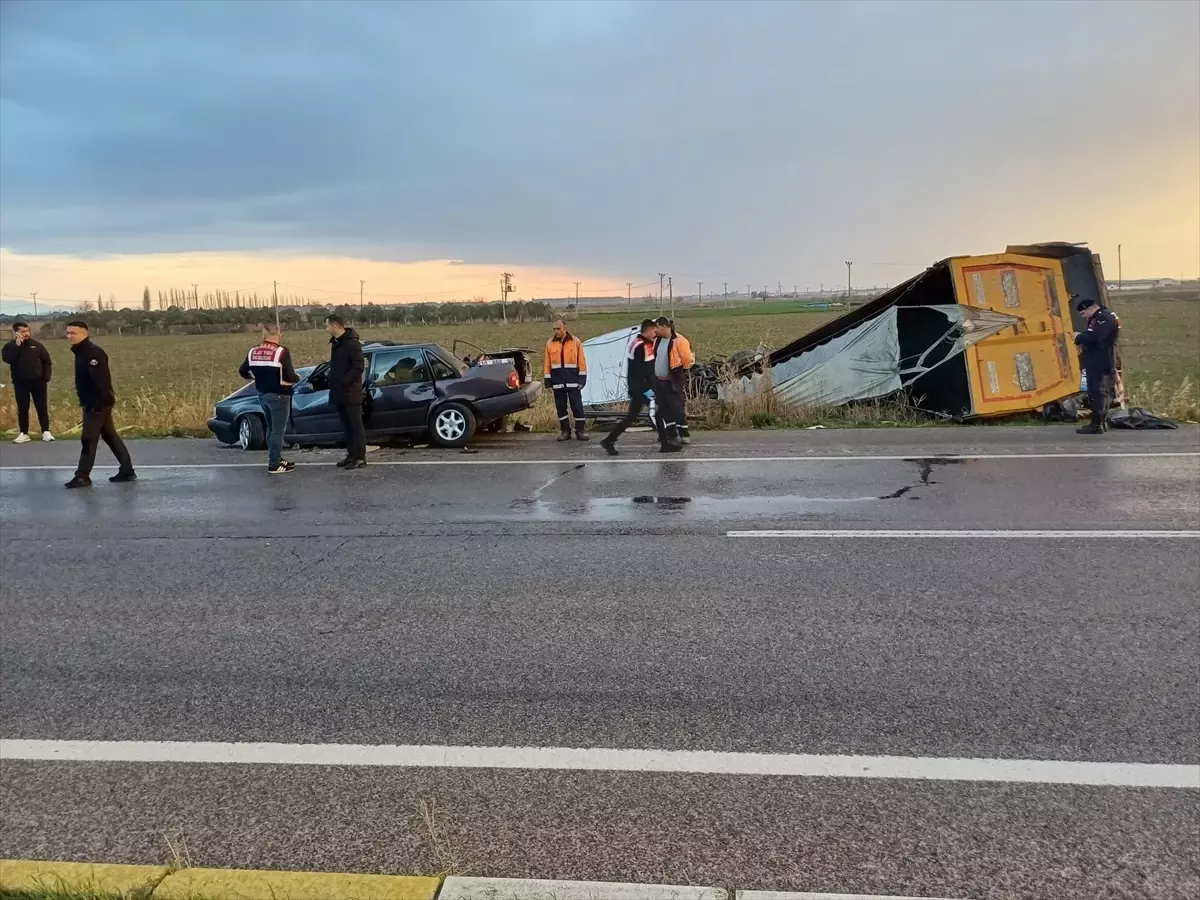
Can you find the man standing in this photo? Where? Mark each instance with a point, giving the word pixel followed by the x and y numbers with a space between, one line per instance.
pixel 270 365
pixel 93 384
pixel 346 388
pixel 565 372
pixel 672 359
pixel 1099 364
pixel 30 364
pixel 639 377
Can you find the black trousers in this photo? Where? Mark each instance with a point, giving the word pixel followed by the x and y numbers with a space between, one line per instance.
pixel 637 409
pixel 25 391
pixel 1099 394
pixel 98 426
pixel 574 397
pixel 668 394
pixel 351 415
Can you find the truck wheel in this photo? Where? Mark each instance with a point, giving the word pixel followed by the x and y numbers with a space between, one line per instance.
pixel 452 426
pixel 252 432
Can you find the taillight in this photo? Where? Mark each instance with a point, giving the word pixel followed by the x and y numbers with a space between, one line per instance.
pixel 514 380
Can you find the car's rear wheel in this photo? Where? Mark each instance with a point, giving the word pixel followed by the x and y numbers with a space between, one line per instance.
pixel 252 432
pixel 452 426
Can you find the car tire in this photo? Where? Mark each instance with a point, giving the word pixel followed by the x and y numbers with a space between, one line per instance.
pixel 452 425
pixel 252 432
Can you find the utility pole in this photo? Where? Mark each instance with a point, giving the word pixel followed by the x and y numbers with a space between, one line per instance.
pixel 1120 273
pixel 699 291
pixel 671 291
pixel 275 300
pixel 577 300
pixel 727 294
pixel 34 296
pixel 629 294
pixel 749 293
pixel 849 265
pixel 506 288
pixel 661 276
pixel 196 294
pixel 361 282
pixel 779 288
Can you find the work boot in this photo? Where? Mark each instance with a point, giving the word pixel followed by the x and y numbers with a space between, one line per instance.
pixel 356 464
pixel 345 462
pixel 78 482
pixel 564 436
pixel 123 477
pixel 671 448
pixel 610 447
pixel 580 436
pixel 1090 428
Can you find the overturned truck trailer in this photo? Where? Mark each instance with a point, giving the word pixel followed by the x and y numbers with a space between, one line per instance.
pixel 971 336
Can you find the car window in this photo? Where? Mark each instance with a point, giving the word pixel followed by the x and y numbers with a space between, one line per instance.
pixel 401 367
pixel 319 378
pixel 442 369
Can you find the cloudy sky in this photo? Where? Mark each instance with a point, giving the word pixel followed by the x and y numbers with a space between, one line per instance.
pixel 232 143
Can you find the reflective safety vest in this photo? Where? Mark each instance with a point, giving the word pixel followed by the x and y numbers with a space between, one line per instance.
pixel 679 352
pixel 565 366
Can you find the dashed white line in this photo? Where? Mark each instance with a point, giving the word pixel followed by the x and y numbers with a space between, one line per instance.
pixel 705 762
pixel 973 534
pixel 607 461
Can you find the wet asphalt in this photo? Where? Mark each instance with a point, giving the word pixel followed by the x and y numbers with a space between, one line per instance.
pixel 539 594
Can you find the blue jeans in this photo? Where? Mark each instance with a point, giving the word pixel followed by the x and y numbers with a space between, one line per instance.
pixel 276 408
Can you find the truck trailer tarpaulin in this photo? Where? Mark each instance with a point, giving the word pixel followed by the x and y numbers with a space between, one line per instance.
pixel 971 336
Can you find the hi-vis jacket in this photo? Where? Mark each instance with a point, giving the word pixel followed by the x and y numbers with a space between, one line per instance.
pixel 679 352
pixel 270 365
pixel 565 367
pixel 639 374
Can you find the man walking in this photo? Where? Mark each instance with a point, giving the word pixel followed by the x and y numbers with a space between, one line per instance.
pixel 672 359
pixel 270 365
pixel 346 388
pixel 1098 362
pixel 565 372
pixel 639 376
pixel 93 384
pixel 29 363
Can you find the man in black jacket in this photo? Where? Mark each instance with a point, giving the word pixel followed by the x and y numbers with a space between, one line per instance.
pixel 639 376
pixel 30 364
pixel 346 388
pixel 1099 365
pixel 93 384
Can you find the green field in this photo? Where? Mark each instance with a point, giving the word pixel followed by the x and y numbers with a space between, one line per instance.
pixel 168 384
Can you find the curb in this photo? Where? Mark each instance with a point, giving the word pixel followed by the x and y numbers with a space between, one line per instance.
pixel 105 880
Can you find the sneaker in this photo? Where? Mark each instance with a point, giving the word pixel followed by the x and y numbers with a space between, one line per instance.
pixel 47 436
pixel 22 438
pixel 288 464
pixel 123 477
pixel 282 469
pixel 610 447
pixel 356 464
pixel 78 482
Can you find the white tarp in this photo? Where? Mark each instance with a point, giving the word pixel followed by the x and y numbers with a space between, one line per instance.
pixel 864 362
pixel 606 362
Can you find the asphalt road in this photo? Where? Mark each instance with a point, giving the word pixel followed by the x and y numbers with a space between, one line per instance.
pixel 537 594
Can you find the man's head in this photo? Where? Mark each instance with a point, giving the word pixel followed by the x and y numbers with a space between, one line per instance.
pixel 662 327
pixel 21 330
pixel 647 328
pixel 77 332
pixel 1086 307
pixel 335 325
pixel 560 329
pixel 271 333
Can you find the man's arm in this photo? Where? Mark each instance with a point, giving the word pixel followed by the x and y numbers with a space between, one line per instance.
pixel 10 352
pixel 47 363
pixel 685 352
pixel 354 378
pixel 582 364
pixel 101 377
pixel 244 369
pixel 287 373
pixel 1099 332
pixel 546 365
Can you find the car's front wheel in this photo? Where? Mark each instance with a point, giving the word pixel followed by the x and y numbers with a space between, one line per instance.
pixel 452 426
pixel 252 433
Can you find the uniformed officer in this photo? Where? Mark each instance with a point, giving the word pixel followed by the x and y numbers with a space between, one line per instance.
pixel 93 384
pixel 1098 360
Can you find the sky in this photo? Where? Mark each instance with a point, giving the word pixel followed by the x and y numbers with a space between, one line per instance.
pixel 427 147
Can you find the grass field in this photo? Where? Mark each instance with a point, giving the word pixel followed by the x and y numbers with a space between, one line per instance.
pixel 167 385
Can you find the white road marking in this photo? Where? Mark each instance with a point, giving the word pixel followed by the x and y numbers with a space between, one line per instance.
pixel 709 762
pixel 963 533
pixel 457 887
pixel 608 461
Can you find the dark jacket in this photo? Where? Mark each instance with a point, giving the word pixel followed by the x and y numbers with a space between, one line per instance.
pixel 346 369
pixel 93 381
pixel 639 373
pixel 270 365
pixel 1098 341
pixel 29 362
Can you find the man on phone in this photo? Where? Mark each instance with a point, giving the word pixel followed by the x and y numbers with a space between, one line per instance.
pixel 30 364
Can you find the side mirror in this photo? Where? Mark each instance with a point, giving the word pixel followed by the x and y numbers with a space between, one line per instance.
pixel 304 387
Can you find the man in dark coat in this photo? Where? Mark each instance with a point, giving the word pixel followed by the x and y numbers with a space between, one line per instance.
pixel 346 388
pixel 93 384
pixel 30 365
pixel 1098 360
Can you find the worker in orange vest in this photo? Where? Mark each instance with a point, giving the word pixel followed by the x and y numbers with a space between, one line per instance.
pixel 565 373
pixel 672 359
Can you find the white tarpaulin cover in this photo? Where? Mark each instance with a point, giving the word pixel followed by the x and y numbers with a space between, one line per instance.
pixel 606 362
pixel 864 363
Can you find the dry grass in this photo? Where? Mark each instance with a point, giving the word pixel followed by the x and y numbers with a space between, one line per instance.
pixel 168 385
pixel 446 860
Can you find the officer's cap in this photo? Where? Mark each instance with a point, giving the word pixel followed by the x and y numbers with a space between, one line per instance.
pixel 1083 303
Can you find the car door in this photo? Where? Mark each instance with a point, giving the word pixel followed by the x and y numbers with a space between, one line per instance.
pixel 312 413
pixel 401 391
